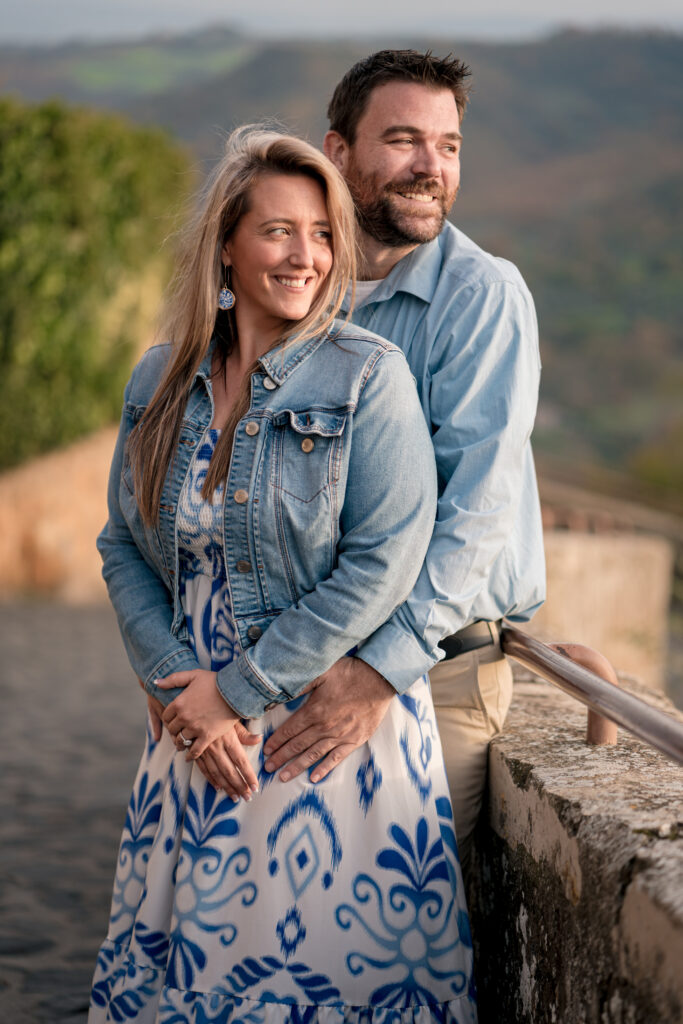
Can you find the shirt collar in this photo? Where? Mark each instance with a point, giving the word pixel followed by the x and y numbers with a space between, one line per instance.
pixel 417 273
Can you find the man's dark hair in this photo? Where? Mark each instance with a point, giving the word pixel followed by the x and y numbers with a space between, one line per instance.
pixel 351 96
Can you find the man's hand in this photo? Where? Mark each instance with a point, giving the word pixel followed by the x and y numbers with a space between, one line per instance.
pixel 343 711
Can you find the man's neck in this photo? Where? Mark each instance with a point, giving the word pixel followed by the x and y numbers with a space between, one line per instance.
pixel 377 259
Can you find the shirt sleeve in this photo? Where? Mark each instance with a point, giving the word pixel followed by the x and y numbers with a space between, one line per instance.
pixel 386 520
pixel 482 402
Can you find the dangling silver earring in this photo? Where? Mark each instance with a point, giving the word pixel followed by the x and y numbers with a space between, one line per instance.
pixel 226 297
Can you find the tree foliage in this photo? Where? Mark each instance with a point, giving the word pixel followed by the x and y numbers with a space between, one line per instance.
pixel 84 208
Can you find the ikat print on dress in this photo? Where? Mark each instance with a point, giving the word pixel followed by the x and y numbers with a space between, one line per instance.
pixel 335 902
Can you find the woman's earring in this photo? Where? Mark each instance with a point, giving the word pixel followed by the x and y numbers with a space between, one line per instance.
pixel 226 298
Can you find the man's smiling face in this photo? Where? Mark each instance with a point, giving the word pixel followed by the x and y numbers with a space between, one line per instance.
pixel 403 167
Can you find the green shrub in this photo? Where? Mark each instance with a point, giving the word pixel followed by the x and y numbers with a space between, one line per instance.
pixel 86 200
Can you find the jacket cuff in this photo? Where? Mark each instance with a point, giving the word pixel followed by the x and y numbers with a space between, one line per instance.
pixel 396 655
pixel 179 661
pixel 245 691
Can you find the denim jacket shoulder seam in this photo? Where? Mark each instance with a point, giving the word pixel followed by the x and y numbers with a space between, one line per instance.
pixel 371 364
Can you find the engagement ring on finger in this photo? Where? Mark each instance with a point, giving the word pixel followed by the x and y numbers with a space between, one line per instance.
pixel 186 742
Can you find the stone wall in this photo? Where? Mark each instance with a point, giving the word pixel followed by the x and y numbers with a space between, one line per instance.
pixel 577 893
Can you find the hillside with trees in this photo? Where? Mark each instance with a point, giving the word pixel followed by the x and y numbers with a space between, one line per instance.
pixel 572 168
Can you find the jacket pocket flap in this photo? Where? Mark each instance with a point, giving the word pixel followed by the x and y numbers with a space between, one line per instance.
pixel 313 421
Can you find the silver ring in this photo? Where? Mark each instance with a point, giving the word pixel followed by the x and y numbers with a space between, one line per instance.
pixel 186 742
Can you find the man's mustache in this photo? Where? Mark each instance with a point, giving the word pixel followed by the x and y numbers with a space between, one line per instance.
pixel 418 186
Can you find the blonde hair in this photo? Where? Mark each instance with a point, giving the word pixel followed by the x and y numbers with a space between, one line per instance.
pixel 190 319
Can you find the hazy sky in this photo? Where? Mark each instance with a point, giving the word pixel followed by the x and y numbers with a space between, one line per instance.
pixel 35 21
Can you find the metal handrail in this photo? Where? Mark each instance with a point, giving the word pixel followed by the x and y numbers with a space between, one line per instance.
pixel 660 730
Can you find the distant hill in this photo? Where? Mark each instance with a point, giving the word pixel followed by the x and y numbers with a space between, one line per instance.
pixel 572 168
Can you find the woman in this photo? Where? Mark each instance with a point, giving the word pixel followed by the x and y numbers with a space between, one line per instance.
pixel 270 502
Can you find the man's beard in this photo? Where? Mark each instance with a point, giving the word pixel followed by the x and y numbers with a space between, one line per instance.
pixel 378 216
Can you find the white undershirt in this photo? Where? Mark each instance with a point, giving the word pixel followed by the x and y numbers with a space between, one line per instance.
pixel 364 290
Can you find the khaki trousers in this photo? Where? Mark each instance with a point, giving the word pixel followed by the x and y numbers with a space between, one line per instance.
pixel 472 694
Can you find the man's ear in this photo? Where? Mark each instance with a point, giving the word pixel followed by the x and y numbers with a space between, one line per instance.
pixel 336 149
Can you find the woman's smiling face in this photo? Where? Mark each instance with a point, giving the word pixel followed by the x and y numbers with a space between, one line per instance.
pixel 281 250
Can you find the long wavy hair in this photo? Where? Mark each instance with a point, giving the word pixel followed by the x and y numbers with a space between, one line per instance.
pixel 191 318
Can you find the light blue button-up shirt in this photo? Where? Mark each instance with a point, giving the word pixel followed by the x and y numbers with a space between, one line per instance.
pixel 467 325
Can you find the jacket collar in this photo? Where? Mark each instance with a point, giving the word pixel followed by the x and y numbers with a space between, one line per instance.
pixel 281 361
pixel 278 363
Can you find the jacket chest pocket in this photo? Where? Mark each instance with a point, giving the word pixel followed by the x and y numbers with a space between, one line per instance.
pixel 307 451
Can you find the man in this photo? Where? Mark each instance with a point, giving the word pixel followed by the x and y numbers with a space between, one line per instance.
pixel 466 323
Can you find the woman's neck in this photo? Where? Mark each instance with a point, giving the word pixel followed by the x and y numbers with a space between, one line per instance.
pixel 253 340
pixel 255 337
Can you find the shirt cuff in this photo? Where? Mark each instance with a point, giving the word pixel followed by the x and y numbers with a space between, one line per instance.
pixel 396 655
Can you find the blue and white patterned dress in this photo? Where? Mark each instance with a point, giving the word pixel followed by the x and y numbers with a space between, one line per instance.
pixel 340 901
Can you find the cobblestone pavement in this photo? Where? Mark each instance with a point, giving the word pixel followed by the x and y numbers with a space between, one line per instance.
pixel 72 732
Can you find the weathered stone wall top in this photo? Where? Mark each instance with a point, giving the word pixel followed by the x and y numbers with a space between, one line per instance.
pixel 578 896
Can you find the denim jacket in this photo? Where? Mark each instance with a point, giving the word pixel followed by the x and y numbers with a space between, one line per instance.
pixel 329 507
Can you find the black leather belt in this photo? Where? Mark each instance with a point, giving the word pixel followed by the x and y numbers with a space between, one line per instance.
pixel 470 638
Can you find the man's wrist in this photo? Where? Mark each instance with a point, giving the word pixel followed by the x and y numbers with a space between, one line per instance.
pixel 395 655
pixel 375 673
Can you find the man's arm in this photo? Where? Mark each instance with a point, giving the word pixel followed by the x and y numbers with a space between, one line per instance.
pixel 483 397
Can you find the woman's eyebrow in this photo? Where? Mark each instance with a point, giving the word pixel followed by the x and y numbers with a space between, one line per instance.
pixel 289 222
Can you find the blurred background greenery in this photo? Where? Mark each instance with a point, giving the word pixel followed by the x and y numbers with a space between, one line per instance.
pixel 83 212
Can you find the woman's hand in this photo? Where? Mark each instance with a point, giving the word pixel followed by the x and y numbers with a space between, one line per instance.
pixel 217 767
pixel 202 716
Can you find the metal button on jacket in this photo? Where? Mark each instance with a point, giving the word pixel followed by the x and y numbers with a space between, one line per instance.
pixel 252 428
pixel 254 632
pixel 243 566
pixel 269 384
pixel 308 444
pixel 241 496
